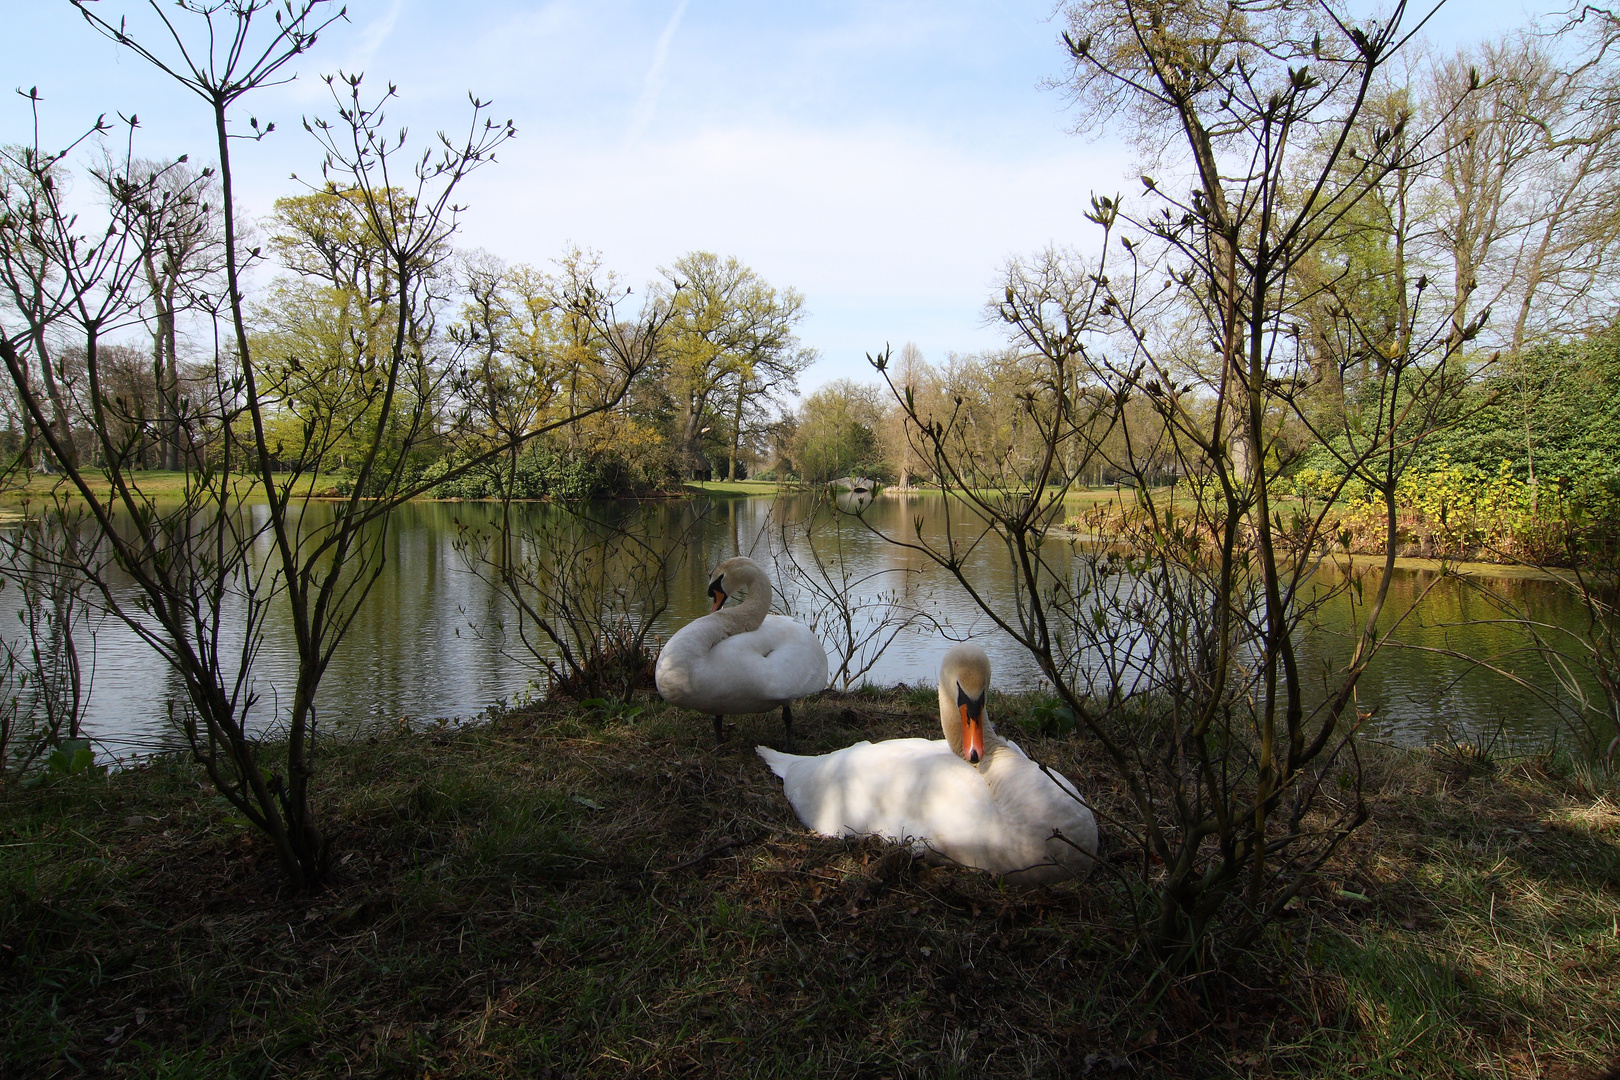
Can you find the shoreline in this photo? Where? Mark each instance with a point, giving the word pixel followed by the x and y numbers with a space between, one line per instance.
pixel 10 513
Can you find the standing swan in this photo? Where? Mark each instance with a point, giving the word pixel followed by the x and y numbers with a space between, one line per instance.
pixel 741 659
pixel 972 797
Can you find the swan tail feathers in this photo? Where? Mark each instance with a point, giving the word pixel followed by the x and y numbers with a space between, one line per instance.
pixel 777 760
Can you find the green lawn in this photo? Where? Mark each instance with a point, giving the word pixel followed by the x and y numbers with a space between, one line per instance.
pixel 738 487
pixel 153 483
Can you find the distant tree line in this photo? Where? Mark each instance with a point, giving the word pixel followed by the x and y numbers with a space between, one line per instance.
pixel 1507 226
pixel 713 404
pixel 502 350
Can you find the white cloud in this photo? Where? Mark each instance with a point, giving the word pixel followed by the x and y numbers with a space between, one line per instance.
pixel 890 234
pixel 373 35
pixel 653 83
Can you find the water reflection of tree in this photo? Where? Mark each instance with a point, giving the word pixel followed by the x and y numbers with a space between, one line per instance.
pixel 45 683
pixel 584 585
pixel 856 608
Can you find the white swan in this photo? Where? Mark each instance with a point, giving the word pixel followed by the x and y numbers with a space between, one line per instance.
pixel 741 659
pixel 972 797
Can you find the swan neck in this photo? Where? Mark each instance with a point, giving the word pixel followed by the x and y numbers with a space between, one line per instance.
pixel 750 613
pixel 964 686
pixel 996 752
pixel 950 719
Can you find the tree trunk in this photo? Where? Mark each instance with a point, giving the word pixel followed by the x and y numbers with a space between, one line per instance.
pixel 736 432
pixel 169 394
pixel 64 421
pixel 25 424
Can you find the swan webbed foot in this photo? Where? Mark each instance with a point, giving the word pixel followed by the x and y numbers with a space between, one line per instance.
pixel 719 730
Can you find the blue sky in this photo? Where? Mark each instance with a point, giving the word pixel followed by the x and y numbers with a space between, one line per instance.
pixel 882 157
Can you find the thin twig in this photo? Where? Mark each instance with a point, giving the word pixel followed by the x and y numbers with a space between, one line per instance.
pixel 712 852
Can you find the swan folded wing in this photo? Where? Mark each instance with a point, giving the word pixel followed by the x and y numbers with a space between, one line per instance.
pixel 683 663
pixel 800 651
pixel 901 789
pixel 1033 804
pixel 779 662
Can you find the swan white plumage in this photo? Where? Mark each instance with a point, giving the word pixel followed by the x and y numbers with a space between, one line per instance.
pixel 972 797
pixel 741 659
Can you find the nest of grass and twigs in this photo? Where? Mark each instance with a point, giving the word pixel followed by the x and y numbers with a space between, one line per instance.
pixel 1462 760
pixel 556 893
pixel 617 664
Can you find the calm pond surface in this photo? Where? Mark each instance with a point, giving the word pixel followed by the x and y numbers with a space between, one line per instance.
pixel 435 641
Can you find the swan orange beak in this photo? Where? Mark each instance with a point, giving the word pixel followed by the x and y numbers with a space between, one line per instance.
pixel 972 710
pixel 972 737
pixel 719 595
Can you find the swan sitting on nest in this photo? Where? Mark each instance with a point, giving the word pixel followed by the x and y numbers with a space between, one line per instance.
pixel 972 797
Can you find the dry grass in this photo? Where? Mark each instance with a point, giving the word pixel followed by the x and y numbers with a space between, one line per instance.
pixel 556 895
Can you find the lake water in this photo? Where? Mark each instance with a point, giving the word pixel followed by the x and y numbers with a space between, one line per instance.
pixel 435 641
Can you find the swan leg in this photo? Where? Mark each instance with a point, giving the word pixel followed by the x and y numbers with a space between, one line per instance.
pixel 787 726
pixel 719 731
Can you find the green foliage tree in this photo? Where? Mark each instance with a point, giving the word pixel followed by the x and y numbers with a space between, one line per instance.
pixel 731 348
pixel 837 432
pixel 1568 394
pixel 324 334
pixel 534 356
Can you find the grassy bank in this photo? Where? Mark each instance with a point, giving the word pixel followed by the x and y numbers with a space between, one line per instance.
pixel 737 487
pixel 560 893
pixel 152 483
pixel 162 484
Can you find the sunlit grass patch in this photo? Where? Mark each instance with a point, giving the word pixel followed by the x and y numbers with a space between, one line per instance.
pixel 738 487
pixel 1489 915
pixel 153 484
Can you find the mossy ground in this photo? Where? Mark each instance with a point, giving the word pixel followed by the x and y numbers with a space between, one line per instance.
pixel 561 893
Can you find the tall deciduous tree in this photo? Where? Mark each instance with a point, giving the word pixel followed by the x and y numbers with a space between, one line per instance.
pixel 181 248
pixel 325 333
pixel 837 433
pixel 1526 215
pixel 51 273
pixel 731 346
pixel 533 355
pixel 915 377
pixel 1527 191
